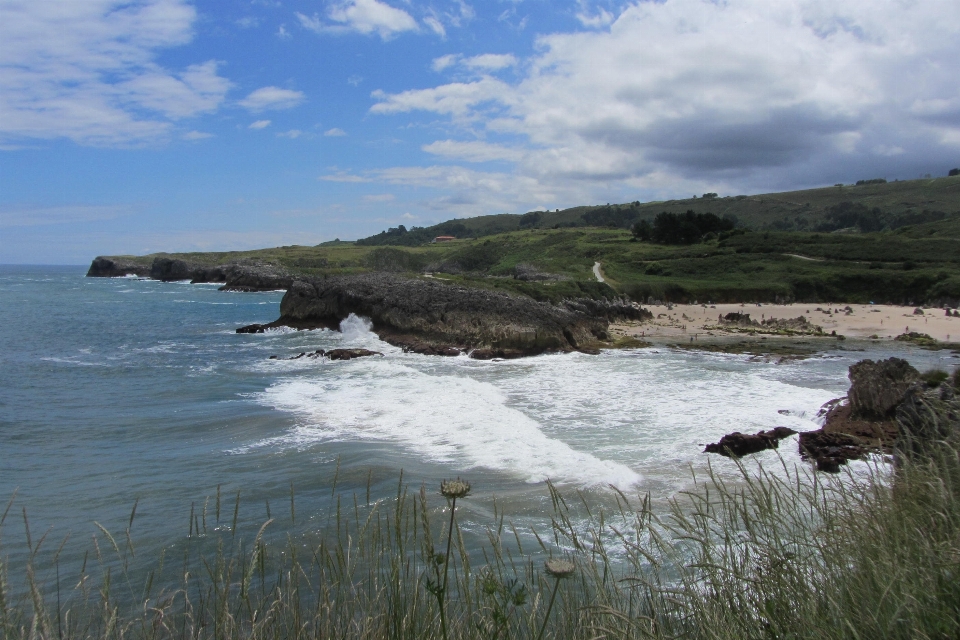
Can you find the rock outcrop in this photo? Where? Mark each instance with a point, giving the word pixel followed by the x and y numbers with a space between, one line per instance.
pixel 104 267
pixel 888 403
pixel 743 322
pixel 738 444
pixel 235 276
pixel 877 388
pixel 429 316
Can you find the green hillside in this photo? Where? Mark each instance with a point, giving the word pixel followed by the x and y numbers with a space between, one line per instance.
pixel 876 207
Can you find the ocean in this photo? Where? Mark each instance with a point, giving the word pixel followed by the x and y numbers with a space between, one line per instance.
pixel 122 391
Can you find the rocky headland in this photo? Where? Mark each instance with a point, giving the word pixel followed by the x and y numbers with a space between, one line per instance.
pixel 429 316
pixel 238 276
pixel 418 314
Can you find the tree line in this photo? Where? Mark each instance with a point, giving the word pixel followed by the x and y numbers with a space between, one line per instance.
pixel 682 228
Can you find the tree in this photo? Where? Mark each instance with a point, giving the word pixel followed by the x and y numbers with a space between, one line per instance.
pixel 642 230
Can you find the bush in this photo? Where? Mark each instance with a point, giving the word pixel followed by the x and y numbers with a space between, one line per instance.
pixel 687 228
pixel 954 172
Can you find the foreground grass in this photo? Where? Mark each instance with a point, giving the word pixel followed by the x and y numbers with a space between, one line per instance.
pixel 775 555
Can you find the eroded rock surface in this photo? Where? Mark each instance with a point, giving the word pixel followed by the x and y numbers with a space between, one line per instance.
pixel 738 444
pixel 877 388
pixel 234 276
pixel 429 316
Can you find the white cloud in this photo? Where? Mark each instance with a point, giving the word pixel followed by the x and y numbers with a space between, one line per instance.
pixel 740 94
pixel 473 151
pixel 196 135
pixel 282 32
pixel 272 98
pixel 449 99
pixel 362 16
pixel 87 71
pixel 335 132
pixel 491 61
pixel 355 80
pixel 436 26
pixel 197 90
pixel 602 18
pixel 259 124
pixel 441 63
pixel 292 134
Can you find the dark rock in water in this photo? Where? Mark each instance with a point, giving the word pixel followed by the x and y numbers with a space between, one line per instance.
pixel 253 328
pixel 104 267
pixel 878 387
pixel 831 450
pixel 427 315
pixel 412 344
pixel 738 444
pixel 255 277
pixel 349 354
pixel 868 420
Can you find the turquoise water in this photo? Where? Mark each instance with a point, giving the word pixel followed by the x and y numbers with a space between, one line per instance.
pixel 124 390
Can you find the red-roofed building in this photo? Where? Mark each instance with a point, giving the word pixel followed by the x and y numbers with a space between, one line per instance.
pixel 444 238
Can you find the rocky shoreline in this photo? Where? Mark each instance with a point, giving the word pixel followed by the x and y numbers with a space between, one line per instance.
pixel 236 276
pixel 420 315
pixel 436 318
pixel 891 408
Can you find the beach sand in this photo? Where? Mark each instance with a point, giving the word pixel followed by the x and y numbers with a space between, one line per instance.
pixel 864 321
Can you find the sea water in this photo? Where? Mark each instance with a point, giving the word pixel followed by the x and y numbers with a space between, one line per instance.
pixel 125 390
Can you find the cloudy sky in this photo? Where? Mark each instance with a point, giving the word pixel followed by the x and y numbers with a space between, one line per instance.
pixel 132 126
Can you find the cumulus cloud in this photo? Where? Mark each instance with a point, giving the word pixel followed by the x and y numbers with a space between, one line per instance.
pixel 456 99
pixel 491 61
pixel 443 62
pixel 259 124
pixel 362 16
pixel 292 134
pixel 473 151
pixel 87 71
pixel 335 132
pixel 684 94
pixel 272 98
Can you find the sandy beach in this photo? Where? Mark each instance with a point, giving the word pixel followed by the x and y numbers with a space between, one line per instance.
pixel 852 321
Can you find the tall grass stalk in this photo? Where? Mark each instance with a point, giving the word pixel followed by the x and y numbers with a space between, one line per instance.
pixel 784 554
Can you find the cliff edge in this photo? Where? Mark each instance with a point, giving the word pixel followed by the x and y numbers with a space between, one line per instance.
pixel 433 317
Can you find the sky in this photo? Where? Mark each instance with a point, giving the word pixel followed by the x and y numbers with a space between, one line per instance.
pixel 135 126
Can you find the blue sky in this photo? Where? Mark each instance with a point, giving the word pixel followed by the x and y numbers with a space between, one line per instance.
pixel 136 126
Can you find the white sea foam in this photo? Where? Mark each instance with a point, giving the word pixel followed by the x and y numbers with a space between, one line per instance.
pixel 447 419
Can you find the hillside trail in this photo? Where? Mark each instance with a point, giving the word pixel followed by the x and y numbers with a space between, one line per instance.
pixel 596 272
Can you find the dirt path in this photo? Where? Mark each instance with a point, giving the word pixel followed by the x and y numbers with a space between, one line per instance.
pixel 596 272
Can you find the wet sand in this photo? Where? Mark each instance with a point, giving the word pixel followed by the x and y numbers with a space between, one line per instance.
pixel 862 321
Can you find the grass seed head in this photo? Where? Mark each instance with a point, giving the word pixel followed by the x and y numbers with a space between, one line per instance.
pixel 559 568
pixel 455 488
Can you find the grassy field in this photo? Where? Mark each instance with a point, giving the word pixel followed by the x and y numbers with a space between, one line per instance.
pixel 911 265
pixel 896 204
pixel 909 253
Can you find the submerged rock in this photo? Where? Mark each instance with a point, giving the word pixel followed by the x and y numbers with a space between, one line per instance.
pixel 738 444
pixel 349 354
